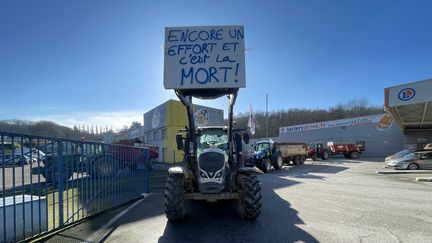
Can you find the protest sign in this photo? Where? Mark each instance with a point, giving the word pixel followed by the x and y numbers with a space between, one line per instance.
pixel 204 57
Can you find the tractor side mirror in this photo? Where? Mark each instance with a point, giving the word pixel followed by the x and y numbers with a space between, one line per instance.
pixel 187 144
pixel 179 140
pixel 246 138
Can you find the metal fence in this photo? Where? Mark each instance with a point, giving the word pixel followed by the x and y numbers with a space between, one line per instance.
pixel 48 183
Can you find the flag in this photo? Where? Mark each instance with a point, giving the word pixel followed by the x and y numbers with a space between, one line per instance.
pixel 251 121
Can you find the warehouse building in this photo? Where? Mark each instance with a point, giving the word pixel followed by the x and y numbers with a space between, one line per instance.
pixel 379 133
pixel 406 125
pixel 162 123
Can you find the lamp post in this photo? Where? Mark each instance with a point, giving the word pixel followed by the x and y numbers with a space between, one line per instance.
pixel 266 116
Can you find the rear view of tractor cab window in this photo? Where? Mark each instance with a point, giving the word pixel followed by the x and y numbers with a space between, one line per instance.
pixel 215 139
pixel 262 146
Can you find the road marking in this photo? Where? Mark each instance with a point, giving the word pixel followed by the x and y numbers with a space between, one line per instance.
pixel 106 228
pixel 404 171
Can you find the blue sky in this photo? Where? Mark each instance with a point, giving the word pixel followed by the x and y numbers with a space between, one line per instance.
pixel 101 62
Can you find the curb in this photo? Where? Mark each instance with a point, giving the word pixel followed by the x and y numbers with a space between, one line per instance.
pixel 428 179
pixel 404 172
pixel 103 231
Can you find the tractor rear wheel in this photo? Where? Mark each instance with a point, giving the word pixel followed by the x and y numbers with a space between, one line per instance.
pixel 175 207
pixel 266 165
pixel 249 204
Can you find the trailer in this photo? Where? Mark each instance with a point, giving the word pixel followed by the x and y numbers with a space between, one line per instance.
pixel 293 152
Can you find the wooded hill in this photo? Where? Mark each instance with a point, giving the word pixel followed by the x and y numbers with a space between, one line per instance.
pixel 276 119
pixel 45 128
pixel 281 118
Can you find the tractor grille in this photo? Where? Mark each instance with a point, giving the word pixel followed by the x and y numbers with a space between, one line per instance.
pixel 211 161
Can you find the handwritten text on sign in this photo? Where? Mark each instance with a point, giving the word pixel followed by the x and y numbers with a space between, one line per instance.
pixel 204 57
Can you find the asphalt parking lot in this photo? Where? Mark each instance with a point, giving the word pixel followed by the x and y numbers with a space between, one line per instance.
pixel 338 200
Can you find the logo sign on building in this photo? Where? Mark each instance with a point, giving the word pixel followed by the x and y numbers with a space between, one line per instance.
pixel 358 121
pixel 201 117
pixel 156 118
pixel 406 94
pixel 204 57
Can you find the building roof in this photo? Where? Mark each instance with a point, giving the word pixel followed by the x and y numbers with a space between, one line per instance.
pixel 410 105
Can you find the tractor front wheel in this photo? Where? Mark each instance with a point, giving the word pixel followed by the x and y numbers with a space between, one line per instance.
pixel 175 207
pixel 266 165
pixel 104 166
pixel 249 203
pixel 325 155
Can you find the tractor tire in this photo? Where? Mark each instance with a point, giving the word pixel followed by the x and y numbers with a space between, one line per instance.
pixel 104 167
pixel 266 165
pixel 51 175
pixel 354 155
pixel 302 159
pixel 297 160
pixel 175 206
pixel 279 163
pixel 325 155
pixel 249 203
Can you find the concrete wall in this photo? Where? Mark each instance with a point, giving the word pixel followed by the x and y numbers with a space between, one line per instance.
pixel 19 211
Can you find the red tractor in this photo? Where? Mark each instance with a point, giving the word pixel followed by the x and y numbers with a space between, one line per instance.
pixel 319 150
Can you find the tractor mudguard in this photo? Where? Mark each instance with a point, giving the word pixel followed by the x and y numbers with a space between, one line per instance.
pixel 249 170
pixel 178 170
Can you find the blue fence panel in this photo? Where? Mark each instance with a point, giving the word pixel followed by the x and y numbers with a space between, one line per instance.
pixel 48 183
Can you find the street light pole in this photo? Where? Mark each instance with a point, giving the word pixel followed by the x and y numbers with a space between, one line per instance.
pixel 266 116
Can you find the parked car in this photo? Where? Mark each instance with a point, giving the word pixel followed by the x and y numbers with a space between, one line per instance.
pixel 407 160
pixel 34 153
pixel 16 160
pixel 428 146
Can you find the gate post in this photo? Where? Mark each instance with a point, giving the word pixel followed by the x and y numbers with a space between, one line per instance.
pixel 60 181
